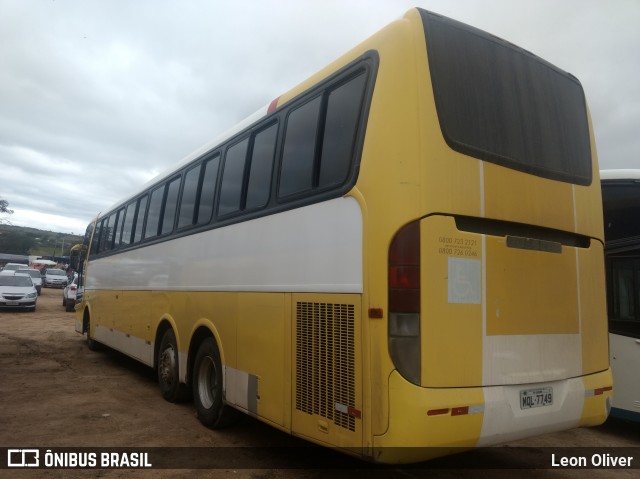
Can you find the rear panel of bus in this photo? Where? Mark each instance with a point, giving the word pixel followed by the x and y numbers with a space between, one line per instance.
pixel 490 226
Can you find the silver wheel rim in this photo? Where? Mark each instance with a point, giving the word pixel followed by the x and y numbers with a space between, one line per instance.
pixel 207 382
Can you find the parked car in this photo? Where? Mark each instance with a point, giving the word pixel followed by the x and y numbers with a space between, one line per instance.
pixel 36 277
pixel 55 278
pixel 69 293
pixel 13 266
pixel 17 291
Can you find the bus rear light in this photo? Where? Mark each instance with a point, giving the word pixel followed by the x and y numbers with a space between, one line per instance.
pixel 404 277
pixel 404 302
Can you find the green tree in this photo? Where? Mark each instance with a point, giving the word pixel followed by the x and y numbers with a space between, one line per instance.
pixel 4 208
pixel 15 242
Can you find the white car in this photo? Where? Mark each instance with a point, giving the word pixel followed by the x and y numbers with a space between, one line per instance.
pixel 36 277
pixel 55 278
pixel 69 294
pixel 14 266
pixel 17 291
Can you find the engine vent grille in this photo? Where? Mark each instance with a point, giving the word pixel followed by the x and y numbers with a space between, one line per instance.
pixel 325 361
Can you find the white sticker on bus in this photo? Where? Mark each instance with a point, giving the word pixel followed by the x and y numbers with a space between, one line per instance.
pixel 464 281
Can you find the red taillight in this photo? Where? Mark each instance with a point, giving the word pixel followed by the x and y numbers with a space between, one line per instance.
pixel 404 302
pixel 404 270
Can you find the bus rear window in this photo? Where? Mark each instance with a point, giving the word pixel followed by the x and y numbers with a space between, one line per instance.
pixel 502 104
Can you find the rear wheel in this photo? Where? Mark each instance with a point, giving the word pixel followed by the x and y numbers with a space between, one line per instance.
pixel 69 305
pixel 169 368
pixel 207 388
pixel 91 344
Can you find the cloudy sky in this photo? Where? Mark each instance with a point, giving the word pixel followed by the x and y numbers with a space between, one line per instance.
pixel 99 96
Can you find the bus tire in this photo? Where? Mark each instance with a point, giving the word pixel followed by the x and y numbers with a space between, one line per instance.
pixel 207 388
pixel 92 344
pixel 169 369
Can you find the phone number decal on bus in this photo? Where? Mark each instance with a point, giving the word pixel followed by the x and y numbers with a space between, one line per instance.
pixel 452 246
pixel 530 398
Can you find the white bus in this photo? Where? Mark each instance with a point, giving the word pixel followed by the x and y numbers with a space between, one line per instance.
pixel 621 201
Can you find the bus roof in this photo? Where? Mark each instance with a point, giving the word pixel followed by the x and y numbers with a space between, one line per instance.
pixel 621 174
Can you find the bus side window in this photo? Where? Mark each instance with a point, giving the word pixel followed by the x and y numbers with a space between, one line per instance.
pixel 119 226
pixel 189 197
pixel 299 150
pixel 110 232
pixel 142 210
pixel 170 205
pixel 232 178
pixel 95 244
pixel 153 214
pixel 106 237
pixel 625 289
pixel 344 106
pixel 127 227
pixel 259 187
pixel 207 191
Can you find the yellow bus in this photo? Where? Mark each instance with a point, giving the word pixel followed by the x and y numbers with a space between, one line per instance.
pixel 400 255
pixel 621 202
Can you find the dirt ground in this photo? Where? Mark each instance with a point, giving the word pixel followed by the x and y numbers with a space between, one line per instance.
pixel 55 393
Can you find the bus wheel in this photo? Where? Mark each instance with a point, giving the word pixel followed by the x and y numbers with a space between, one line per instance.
pixel 91 343
pixel 207 388
pixel 168 368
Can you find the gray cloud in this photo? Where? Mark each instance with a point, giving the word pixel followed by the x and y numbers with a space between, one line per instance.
pixel 97 97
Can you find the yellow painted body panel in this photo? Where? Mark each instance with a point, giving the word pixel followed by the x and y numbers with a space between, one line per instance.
pixel 264 325
pixel 412 431
pixel 452 333
pixel 530 292
pixel 596 406
pixel 241 322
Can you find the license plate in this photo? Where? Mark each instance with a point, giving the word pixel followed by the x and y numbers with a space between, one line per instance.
pixel 12 303
pixel 539 397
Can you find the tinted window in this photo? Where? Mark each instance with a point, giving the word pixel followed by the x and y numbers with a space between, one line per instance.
pixel 623 287
pixel 95 243
pixel 142 209
pixel 232 177
pixel 104 234
pixel 344 105
pixel 259 187
pixel 189 197
pixel 87 235
pixel 207 195
pixel 499 103
pixel 621 203
pixel 110 232
pixel 169 212
pixel 119 226
pixel 299 150
pixel 153 215
pixel 128 223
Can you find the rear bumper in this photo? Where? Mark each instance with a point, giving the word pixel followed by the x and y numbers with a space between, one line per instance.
pixel 427 423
